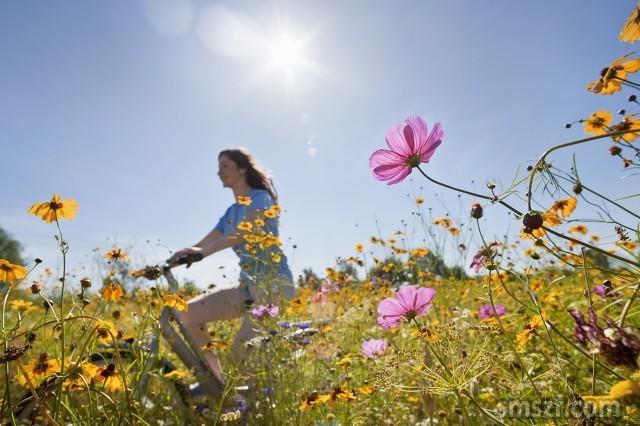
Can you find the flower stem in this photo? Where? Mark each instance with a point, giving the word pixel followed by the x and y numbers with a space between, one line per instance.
pixel 565 145
pixel 41 406
pixel 493 199
pixel 625 310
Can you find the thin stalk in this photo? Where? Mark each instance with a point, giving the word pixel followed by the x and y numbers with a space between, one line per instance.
pixel 41 406
pixel 625 310
pixel 565 145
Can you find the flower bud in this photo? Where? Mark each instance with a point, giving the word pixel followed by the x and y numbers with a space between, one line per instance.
pixel 577 188
pixel 476 211
pixel 632 98
pixel 85 283
pixel 35 288
pixel 615 150
pixel 533 220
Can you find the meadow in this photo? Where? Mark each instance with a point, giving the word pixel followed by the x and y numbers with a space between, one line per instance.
pixel 540 327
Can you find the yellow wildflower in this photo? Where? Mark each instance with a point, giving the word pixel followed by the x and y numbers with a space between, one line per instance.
pixel 530 328
pixel 176 374
pixel 22 306
pixel 79 375
pixel 270 213
pixel 116 254
pixel 359 248
pixel 627 124
pixel 276 257
pixel 630 32
pixel 625 392
pixel 39 369
pixel 366 390
pixel 628 245
pixel 112 292
pixel 612 76
pixel 598 123
pixel 175 301
pixel 243 201
pixel 578 229
pixel 109 378
pixel 10 273
pixel 419 201
pixel 564 207
pixel 245 226
pixel 419 252
pixel 345 362
pixel 55 209
pixel 445 222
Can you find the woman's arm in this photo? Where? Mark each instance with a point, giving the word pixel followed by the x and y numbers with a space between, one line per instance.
pixel 215 240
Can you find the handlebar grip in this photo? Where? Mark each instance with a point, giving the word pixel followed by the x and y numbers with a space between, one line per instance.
pixel 189 258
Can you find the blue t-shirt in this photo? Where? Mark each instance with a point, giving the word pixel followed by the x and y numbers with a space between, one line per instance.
pixel 259 265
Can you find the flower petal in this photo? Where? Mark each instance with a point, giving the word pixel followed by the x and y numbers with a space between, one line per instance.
pixel 420 132
pixel 384 157
pixel 407 297
pixel 424 298
pixel 391 307
pixel 395 139
pixel 406 170
pixel 433 141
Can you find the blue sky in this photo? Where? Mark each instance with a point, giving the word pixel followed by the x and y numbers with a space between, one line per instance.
pixel 124 105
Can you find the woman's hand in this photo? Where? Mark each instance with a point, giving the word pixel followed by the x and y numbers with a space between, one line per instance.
pixel 173 260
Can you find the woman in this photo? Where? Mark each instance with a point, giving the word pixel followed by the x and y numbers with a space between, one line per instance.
pixel 250 228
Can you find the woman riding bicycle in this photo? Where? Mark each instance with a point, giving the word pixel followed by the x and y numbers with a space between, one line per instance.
pixel 250 228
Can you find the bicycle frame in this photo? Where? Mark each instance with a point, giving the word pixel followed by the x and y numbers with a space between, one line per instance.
pixel 182 344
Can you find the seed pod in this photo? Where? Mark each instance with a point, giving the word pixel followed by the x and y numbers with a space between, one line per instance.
pixel 476 211
pixel 533 220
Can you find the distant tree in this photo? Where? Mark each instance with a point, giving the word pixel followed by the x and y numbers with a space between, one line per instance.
pixel 393 269
pixel 345 268
pixel 10 249
pixel 308 278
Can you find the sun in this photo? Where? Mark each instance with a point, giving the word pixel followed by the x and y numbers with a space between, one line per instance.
pixel 286 54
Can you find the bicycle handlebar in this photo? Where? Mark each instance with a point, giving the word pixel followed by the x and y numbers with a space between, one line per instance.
pixel 186 259
pixel 154 272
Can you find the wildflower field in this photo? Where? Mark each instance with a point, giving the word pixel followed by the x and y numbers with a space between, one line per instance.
pixel 541 327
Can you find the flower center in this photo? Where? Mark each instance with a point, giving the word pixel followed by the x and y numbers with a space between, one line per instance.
pixel 413 161
pixel 411 315
pixel 53 205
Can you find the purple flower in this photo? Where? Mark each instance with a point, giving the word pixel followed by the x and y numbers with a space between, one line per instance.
pixel 483 256
pixel 409 145
pixel 284 324
pixel 261 311
pixel 373 348
pixel 605 290
pixel 302 325
pixel 486 311
pixel 409 302
pixel 618 345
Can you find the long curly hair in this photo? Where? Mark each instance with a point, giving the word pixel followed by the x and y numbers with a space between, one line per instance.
pixel 256 177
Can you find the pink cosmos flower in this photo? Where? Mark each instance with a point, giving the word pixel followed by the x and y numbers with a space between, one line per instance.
pixel 483 256
pixel 409 302
pixel 410 144
pixel 373 348
pixel 486 311
pixel 263 310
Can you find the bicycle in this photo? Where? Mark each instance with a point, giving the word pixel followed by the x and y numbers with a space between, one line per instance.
pixel 207 385
pixel 180 341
